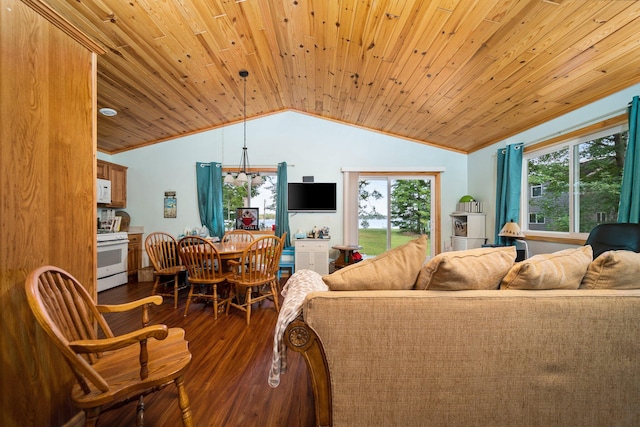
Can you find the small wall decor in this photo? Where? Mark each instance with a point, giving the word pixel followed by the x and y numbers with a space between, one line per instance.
pixel 247 218
pixel 170 204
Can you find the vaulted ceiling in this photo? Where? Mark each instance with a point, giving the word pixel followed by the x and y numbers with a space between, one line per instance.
pixel 459 74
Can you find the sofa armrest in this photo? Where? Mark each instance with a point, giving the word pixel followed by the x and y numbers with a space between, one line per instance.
pixel 301 338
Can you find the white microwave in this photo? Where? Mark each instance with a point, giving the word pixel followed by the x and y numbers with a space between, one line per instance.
pixel 103 188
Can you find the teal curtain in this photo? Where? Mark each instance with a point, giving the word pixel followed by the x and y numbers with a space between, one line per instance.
pixel 629 208
pixel 508 187
pixel 209 181
pixel 282 215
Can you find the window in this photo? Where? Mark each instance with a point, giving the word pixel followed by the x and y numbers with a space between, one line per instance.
pixel 262 196
pixel 575 184
pixel 536 191
pixel 535 218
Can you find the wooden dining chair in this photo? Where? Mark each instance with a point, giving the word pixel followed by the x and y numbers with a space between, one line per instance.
pixel 238 236
pixel 255 273
pixel 110 370
pixel 204 273
pixel 162 250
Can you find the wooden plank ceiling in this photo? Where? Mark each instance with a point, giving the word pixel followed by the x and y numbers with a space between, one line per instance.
pixel 459 74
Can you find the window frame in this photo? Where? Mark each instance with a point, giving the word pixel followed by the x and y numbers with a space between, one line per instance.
pixel 229 221
pixel 571 141
pixel 533 187
pixel 536 216
pixel 351 177
pixel 388 179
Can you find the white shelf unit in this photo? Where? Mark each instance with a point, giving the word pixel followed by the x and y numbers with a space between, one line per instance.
pixel 312 254
pixel 469 230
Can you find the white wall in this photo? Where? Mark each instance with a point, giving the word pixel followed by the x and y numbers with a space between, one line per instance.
pixel 311 146
pixel 482 163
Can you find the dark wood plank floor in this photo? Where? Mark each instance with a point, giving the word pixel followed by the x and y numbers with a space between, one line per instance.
pixel 227 379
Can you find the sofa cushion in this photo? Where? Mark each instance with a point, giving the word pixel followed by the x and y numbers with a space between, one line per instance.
pixel 481 268
pixel 559 270
pixel 396 269
pixel 613 270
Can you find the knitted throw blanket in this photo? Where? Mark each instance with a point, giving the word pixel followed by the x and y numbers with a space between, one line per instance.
pixel 300 284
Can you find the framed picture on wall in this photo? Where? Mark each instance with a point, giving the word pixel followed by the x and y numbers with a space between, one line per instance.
pixel 247 218
pixel 170 204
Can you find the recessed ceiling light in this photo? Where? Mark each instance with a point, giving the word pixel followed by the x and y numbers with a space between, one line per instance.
pixel 109 112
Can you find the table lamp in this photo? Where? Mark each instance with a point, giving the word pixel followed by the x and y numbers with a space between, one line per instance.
pixel 511 231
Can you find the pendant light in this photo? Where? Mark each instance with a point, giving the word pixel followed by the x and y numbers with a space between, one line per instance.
pixel 244 159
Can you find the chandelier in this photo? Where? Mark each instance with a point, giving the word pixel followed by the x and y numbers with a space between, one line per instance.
pixel 244 174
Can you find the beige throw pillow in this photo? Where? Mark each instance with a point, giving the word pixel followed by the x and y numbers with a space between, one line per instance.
pixel 395 269
pixel 613 270
pixel 481 268
pixel 559 270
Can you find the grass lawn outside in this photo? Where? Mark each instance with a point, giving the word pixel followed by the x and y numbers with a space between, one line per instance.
pixel 374 240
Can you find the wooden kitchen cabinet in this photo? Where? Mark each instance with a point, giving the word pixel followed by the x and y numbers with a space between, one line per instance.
pixel 102 171
pixel 117 174
pixel 134 256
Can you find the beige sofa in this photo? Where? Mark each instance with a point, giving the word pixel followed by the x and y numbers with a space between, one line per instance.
pixel 473 358
pixel 482 357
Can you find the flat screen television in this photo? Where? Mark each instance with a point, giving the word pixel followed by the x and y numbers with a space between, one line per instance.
pixel 311 197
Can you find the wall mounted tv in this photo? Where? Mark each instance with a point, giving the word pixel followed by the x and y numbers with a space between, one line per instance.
pixel 312 197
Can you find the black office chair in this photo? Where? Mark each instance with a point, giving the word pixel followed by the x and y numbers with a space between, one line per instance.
pixel 614 236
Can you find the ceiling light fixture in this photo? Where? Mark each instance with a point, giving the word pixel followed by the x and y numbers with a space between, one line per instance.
pixel 244 174
pixel 109 112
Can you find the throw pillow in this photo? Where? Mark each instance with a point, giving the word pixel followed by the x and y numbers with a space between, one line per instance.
pixel 559 270
pixel 613 270
pixel 481 268
pixel 395 269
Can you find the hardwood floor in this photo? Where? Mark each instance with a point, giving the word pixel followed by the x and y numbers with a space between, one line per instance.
pixel 227 379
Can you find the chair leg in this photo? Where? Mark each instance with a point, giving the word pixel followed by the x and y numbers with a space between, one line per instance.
pixel 274 292
pixel 175 291
pixel 215 302
pixel 140 413
pixel 232 294
pixel 186 309
pixel 247 301
pixel 91 417
pixel 183 402
pixel 156 282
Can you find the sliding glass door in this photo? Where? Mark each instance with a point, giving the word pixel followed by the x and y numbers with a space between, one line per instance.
pixel 393 210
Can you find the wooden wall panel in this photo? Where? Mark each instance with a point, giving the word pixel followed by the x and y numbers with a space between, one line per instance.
pixel 48 211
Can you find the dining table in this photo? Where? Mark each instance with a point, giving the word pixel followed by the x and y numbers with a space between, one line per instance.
pixel 230 250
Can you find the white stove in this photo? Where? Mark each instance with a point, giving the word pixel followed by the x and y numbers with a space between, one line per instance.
pixel 112 259
pixel 108 236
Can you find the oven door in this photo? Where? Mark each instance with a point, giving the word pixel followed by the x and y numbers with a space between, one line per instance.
pixel 112 264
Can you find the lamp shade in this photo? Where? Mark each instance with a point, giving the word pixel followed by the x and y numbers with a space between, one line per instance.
pixel 242 177
pixel 228 179
pixel 511 229
pixel 257 180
